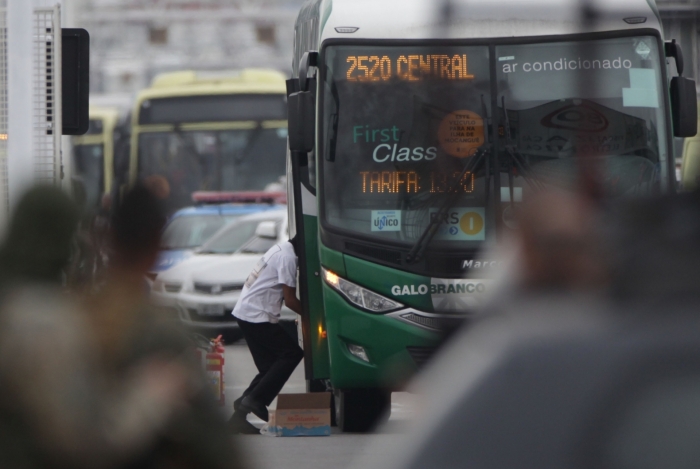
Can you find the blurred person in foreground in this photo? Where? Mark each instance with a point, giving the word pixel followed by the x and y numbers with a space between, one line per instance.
pixel 276 355
pixel 129 331
pixel 605 378
pixel 57 407
pixel 556 248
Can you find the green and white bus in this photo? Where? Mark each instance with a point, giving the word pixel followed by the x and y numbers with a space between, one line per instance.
pixel 414 139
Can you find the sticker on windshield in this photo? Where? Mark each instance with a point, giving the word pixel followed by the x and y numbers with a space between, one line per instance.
pixel 642 91
pixel 461 224
pixel 461 133
pixel 386 220
pixel 517 194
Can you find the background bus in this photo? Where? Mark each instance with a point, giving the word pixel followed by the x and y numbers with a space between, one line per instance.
pixel 224 131
pixel 100 154
pixel 414 142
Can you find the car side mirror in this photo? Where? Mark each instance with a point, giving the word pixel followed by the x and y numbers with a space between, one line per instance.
pixel 301 121
pixel 684 107
pixel 267 230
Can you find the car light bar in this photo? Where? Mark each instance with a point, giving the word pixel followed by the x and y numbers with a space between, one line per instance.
pixel 215 197
pixel 355 294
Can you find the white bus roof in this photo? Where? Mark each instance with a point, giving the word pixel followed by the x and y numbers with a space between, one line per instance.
pixel 421 19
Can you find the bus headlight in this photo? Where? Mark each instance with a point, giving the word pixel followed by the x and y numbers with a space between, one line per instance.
pixel 359 296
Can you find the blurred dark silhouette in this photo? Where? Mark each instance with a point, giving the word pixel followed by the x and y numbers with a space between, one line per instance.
pixel 129 331
pixel 593 358
pixel 74 393
pixel 56 409
pixel 559 244
pixel 37 247
pixel 136 228
pixel 655 245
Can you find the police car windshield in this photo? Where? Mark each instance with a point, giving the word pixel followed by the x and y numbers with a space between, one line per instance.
pixel 189 232
pixel 401 124
pixel 231 239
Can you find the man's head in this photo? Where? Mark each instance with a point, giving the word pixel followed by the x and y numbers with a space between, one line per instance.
pixel 295 243
pixel 136 229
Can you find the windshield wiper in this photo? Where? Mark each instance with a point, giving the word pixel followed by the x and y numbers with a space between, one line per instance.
pixel 252 140
pixel 333 134
pixel 516 158
pixel 177 130
pixel 418 249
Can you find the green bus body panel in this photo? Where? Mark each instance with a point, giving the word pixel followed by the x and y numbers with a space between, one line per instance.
pixel 381 279
pixel 384 338
pixel 319 352
pixel 333 260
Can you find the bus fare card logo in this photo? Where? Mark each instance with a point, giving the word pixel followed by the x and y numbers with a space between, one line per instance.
pixel 386 220
pixel 461 224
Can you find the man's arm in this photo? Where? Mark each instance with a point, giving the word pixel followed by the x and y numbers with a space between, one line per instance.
pixel 290 298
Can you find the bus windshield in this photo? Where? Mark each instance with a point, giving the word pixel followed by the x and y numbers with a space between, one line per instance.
pixel 616 120
pixel 408 136
pixel 391 157
pixel 205 160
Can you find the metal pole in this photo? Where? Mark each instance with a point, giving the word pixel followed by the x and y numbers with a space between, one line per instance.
pixel 20 162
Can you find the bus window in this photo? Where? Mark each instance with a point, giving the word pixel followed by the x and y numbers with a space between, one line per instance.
pixel 89 162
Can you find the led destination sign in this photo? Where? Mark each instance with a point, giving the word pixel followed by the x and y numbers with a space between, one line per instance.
pixel 412 182
pixel 409 67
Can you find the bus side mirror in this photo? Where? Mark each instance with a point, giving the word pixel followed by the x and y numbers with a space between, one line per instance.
pixel 301 121
pixel 684 107
pixel 308 60
pixel 673 49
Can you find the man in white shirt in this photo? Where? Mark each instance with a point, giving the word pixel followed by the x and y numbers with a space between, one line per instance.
pixel 275 353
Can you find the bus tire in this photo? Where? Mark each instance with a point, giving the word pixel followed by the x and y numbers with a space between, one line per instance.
pixel 361 410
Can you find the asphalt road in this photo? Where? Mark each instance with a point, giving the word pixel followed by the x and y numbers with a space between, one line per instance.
pixel 336 452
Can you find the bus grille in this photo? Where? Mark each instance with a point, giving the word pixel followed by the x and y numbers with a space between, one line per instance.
pixel 421 355
pixel 442 323
pixel 217 289
pixel 432 323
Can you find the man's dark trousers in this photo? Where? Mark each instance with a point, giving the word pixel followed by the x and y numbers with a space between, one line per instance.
pixel 275 354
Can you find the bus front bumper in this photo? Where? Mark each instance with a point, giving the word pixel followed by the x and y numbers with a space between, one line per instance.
pixel 376 350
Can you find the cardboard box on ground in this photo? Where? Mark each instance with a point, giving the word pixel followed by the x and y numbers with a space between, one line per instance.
pixel 301 415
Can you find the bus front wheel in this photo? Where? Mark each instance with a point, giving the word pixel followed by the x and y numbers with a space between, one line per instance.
pixel 360 410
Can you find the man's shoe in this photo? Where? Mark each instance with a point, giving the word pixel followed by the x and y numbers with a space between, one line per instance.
pixel 249 405
pixel 237 403
pixel 238 425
